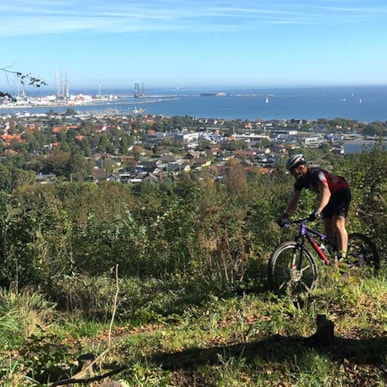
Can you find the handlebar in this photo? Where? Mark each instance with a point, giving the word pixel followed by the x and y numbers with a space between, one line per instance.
pixel 295 221
pixel 301 220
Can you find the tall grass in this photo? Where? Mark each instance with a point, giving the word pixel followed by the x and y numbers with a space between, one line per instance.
pixel 23 314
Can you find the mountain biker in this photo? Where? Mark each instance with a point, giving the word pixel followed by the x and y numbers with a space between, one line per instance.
pixel 335 197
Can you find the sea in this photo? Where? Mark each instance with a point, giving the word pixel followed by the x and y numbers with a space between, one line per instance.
pixel 360 103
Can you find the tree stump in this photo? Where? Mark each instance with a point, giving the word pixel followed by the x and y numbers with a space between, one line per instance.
pixel 324 336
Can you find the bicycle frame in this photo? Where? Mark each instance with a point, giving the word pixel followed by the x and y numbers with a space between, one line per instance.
pixel 307 233
pixel 293 268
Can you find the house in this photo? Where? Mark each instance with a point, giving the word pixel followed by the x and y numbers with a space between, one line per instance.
pixel 45 179
pixel 192 155
pixel 212 149
pixel 113 177
pixel 174 168
pixel 145 176
pixel 147 166
pixel 200 163
pixel 98 175
pixel 313 141
pixel 168 159
pixel 244 153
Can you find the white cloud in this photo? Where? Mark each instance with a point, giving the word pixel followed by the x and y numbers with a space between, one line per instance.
pixel 37 17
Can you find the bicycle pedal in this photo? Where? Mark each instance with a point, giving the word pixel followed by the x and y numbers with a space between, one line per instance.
pixel 339 261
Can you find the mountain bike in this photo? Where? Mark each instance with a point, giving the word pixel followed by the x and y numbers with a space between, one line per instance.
pixel 294 270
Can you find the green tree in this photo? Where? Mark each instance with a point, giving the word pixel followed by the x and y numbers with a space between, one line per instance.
pixel 5 179
pixel 78 167
pixel 70 112
pixel 22 178
pixel 236 178
pixel 57 162
pixel 367 174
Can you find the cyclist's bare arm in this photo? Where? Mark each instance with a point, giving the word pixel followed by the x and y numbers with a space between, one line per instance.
pixel 325 195
pixel 293 203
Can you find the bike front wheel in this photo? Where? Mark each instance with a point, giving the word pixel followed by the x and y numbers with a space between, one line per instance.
pixel 292 270
pixel 362 253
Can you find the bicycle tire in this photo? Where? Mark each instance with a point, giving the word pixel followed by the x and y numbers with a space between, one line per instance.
pixel 362 253
pixel 284 277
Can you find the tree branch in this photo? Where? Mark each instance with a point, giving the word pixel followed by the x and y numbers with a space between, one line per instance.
pixel 88 380
pixel 23 79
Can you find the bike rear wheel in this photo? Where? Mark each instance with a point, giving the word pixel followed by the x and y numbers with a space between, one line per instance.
pixel 290 271
pixel 362 253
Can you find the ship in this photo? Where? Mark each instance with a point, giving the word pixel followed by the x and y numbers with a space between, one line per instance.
pixel 137 110
pixel 218 94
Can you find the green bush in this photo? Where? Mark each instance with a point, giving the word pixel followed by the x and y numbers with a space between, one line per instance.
pixel 189 227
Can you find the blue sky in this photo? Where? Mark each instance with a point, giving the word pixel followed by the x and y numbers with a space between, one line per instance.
pixel 196 43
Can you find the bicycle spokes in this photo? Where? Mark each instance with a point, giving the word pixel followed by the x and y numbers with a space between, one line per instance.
pixel 362 253
pixel 292 271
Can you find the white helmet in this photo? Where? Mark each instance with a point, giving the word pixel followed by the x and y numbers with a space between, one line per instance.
pixel 294 161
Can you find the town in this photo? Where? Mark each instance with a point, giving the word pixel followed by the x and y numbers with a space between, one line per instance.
pixel 135 148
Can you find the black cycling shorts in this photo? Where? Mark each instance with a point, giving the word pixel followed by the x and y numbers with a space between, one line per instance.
pixel 338 204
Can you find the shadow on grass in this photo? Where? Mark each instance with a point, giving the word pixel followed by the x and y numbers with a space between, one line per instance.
pixel 277 348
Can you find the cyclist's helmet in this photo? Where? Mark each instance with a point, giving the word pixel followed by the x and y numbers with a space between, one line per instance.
pixel 294 161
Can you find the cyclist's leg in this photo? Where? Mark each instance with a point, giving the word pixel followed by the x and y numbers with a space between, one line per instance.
pixel 342 235
pixel 341 200
pixel 329 226
pixel 330 231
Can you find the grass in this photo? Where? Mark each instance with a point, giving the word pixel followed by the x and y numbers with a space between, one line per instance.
pixel 23 314
pixel 215 339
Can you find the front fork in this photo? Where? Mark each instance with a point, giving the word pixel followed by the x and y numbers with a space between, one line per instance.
pixel 296 265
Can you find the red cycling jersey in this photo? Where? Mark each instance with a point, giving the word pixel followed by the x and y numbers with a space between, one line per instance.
pixel 315 175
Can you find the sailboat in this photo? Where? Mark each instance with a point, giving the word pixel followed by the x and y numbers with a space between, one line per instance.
pixel 267 100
